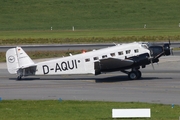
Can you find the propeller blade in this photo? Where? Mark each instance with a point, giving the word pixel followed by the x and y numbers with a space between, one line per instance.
pixel 152 64
pixel 170 46
pixel 151 59
pixel 157 63
pixel 172 51
pixel 169 42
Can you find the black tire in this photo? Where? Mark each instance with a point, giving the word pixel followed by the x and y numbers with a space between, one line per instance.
pixel 133 75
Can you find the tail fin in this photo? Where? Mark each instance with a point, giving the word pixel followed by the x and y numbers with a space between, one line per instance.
pixel 17 58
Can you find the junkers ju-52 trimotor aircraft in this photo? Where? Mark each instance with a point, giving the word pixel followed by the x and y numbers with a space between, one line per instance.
pixel 127 58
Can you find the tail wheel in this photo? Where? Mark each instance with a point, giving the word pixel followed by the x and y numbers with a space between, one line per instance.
pixel 19 77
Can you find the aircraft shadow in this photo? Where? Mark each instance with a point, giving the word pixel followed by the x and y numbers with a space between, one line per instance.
pixel 25 79
pixel 96 79
pixel 121 79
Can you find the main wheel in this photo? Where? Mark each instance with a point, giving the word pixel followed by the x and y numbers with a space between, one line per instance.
pixel 133 75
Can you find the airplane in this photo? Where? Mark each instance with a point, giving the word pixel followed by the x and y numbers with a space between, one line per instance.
pixel 127 58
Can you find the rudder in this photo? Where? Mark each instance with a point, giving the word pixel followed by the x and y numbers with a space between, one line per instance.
pixel 12 61
pixel 17 58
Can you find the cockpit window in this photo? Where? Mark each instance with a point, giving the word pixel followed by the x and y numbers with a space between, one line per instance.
pixel 144 46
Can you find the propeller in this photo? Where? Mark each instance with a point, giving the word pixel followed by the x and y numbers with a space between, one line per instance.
pixel 157 51
pixel 151 59
pixel 152 64
pixel 171 49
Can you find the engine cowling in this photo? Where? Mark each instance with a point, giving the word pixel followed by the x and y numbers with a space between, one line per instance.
pixel 156 51
pixel 140 60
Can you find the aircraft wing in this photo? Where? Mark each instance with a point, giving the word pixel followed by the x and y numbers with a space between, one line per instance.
pixel 111 64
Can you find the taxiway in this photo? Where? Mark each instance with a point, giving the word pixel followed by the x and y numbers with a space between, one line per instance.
pixel 161 85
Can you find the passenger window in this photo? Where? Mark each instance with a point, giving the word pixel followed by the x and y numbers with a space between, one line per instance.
pixel 112 54
pixel 136 50
pixel 120 53
pixel 96 58
pixel 128 51
pixel 87 60
pixel 104 56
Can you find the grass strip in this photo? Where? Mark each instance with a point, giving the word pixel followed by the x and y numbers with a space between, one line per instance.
pixel 78 110
pixel 88 14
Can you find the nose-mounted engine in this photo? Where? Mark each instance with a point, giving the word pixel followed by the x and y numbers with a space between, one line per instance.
pixel 158 51
pixel 167 50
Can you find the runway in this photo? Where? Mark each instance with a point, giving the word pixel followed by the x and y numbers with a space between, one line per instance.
pixel 161 85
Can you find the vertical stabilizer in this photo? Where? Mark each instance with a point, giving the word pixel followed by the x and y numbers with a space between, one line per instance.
pixel 12 61
pixel 17 58
pixel 23 59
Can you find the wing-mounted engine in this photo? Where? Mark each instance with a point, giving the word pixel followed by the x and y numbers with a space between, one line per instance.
pixel 140 60
pixel 111 64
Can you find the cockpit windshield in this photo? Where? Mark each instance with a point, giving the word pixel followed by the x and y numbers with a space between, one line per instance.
pixel 144 46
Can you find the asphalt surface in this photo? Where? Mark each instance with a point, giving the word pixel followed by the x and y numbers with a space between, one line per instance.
pixel 161 85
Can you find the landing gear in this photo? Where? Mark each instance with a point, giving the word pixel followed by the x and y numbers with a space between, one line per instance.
pixel 133 75
pixel 20 74
pixel 19 77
